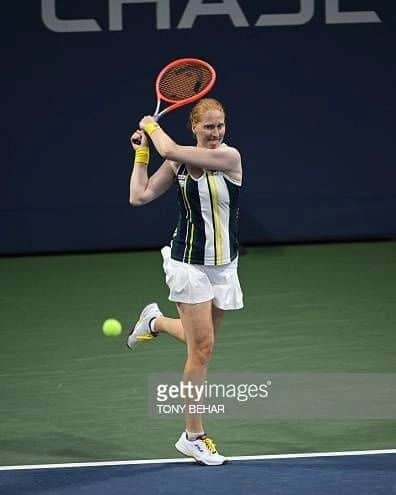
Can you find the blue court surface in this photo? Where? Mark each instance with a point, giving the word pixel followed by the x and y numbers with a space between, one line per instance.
pixel 353 473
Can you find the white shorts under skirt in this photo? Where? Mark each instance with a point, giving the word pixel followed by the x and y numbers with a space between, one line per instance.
pixel 199 283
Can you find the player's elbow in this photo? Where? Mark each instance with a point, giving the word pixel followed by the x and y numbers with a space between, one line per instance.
pixel 136 200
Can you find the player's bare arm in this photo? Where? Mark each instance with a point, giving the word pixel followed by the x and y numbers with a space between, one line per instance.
pixel 224 157
pixel 144 189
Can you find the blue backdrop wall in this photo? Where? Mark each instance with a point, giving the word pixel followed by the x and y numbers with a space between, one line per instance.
pixel 309 86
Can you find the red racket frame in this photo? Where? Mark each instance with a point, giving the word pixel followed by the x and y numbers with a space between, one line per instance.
pixel 186 101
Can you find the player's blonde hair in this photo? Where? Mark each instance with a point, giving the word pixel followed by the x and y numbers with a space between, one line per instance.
pixel 203 106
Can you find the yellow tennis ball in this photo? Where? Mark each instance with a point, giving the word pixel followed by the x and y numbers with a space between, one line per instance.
pixel 111 327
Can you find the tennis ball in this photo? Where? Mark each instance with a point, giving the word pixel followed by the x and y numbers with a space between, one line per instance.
pixel 111 327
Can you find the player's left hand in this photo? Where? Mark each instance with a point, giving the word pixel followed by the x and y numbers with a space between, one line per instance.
pixel 138 139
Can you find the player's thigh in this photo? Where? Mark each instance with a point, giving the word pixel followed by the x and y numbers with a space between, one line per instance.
pixel 197 321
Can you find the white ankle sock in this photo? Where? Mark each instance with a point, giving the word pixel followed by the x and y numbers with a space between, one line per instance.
pixel 194 435
pixel 152 327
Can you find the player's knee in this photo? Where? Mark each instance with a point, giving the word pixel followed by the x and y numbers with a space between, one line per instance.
pixel 202 351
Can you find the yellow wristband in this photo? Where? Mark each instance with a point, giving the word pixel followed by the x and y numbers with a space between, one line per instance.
pixel 151 127
pixel 142 155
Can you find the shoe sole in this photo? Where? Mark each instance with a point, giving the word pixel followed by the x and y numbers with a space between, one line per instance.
pixel 198 461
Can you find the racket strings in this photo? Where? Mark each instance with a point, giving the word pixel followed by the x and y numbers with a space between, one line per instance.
pixel 184 81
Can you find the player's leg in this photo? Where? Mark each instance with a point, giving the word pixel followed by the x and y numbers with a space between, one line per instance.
pixel 151 326
pixel 198 322
pixel 174 326
pixel 198 326
pixel 171 326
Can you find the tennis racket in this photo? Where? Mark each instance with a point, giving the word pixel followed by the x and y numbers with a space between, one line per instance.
pixel 181 82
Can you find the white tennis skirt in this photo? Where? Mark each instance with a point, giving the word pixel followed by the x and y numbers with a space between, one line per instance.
pixel 199 283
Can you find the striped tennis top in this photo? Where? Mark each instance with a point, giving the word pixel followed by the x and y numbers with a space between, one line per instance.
pixel 207 229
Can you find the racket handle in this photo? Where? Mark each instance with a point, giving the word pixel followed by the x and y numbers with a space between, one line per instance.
pixel 156 117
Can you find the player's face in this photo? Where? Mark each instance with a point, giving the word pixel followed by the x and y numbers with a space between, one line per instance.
pixel 210 130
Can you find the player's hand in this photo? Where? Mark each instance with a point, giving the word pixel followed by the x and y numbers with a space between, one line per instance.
pixel 146 120
pixel 138 139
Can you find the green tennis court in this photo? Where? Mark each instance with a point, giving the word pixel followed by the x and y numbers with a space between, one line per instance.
pixel 70 394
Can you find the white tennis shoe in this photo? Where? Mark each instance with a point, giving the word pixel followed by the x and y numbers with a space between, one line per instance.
pixel 141 331
pixel 203 449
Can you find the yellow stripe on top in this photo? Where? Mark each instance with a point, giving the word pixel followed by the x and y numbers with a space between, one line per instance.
pixel 190 231
pixel 218 233
pixel 191 243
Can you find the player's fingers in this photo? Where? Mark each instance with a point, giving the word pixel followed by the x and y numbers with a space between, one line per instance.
pixel 143 138
pixel 136 137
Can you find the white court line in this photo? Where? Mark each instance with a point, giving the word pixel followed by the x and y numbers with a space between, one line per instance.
pixel 179 460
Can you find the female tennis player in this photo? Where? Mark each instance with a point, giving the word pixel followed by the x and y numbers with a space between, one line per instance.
pixel 201 263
